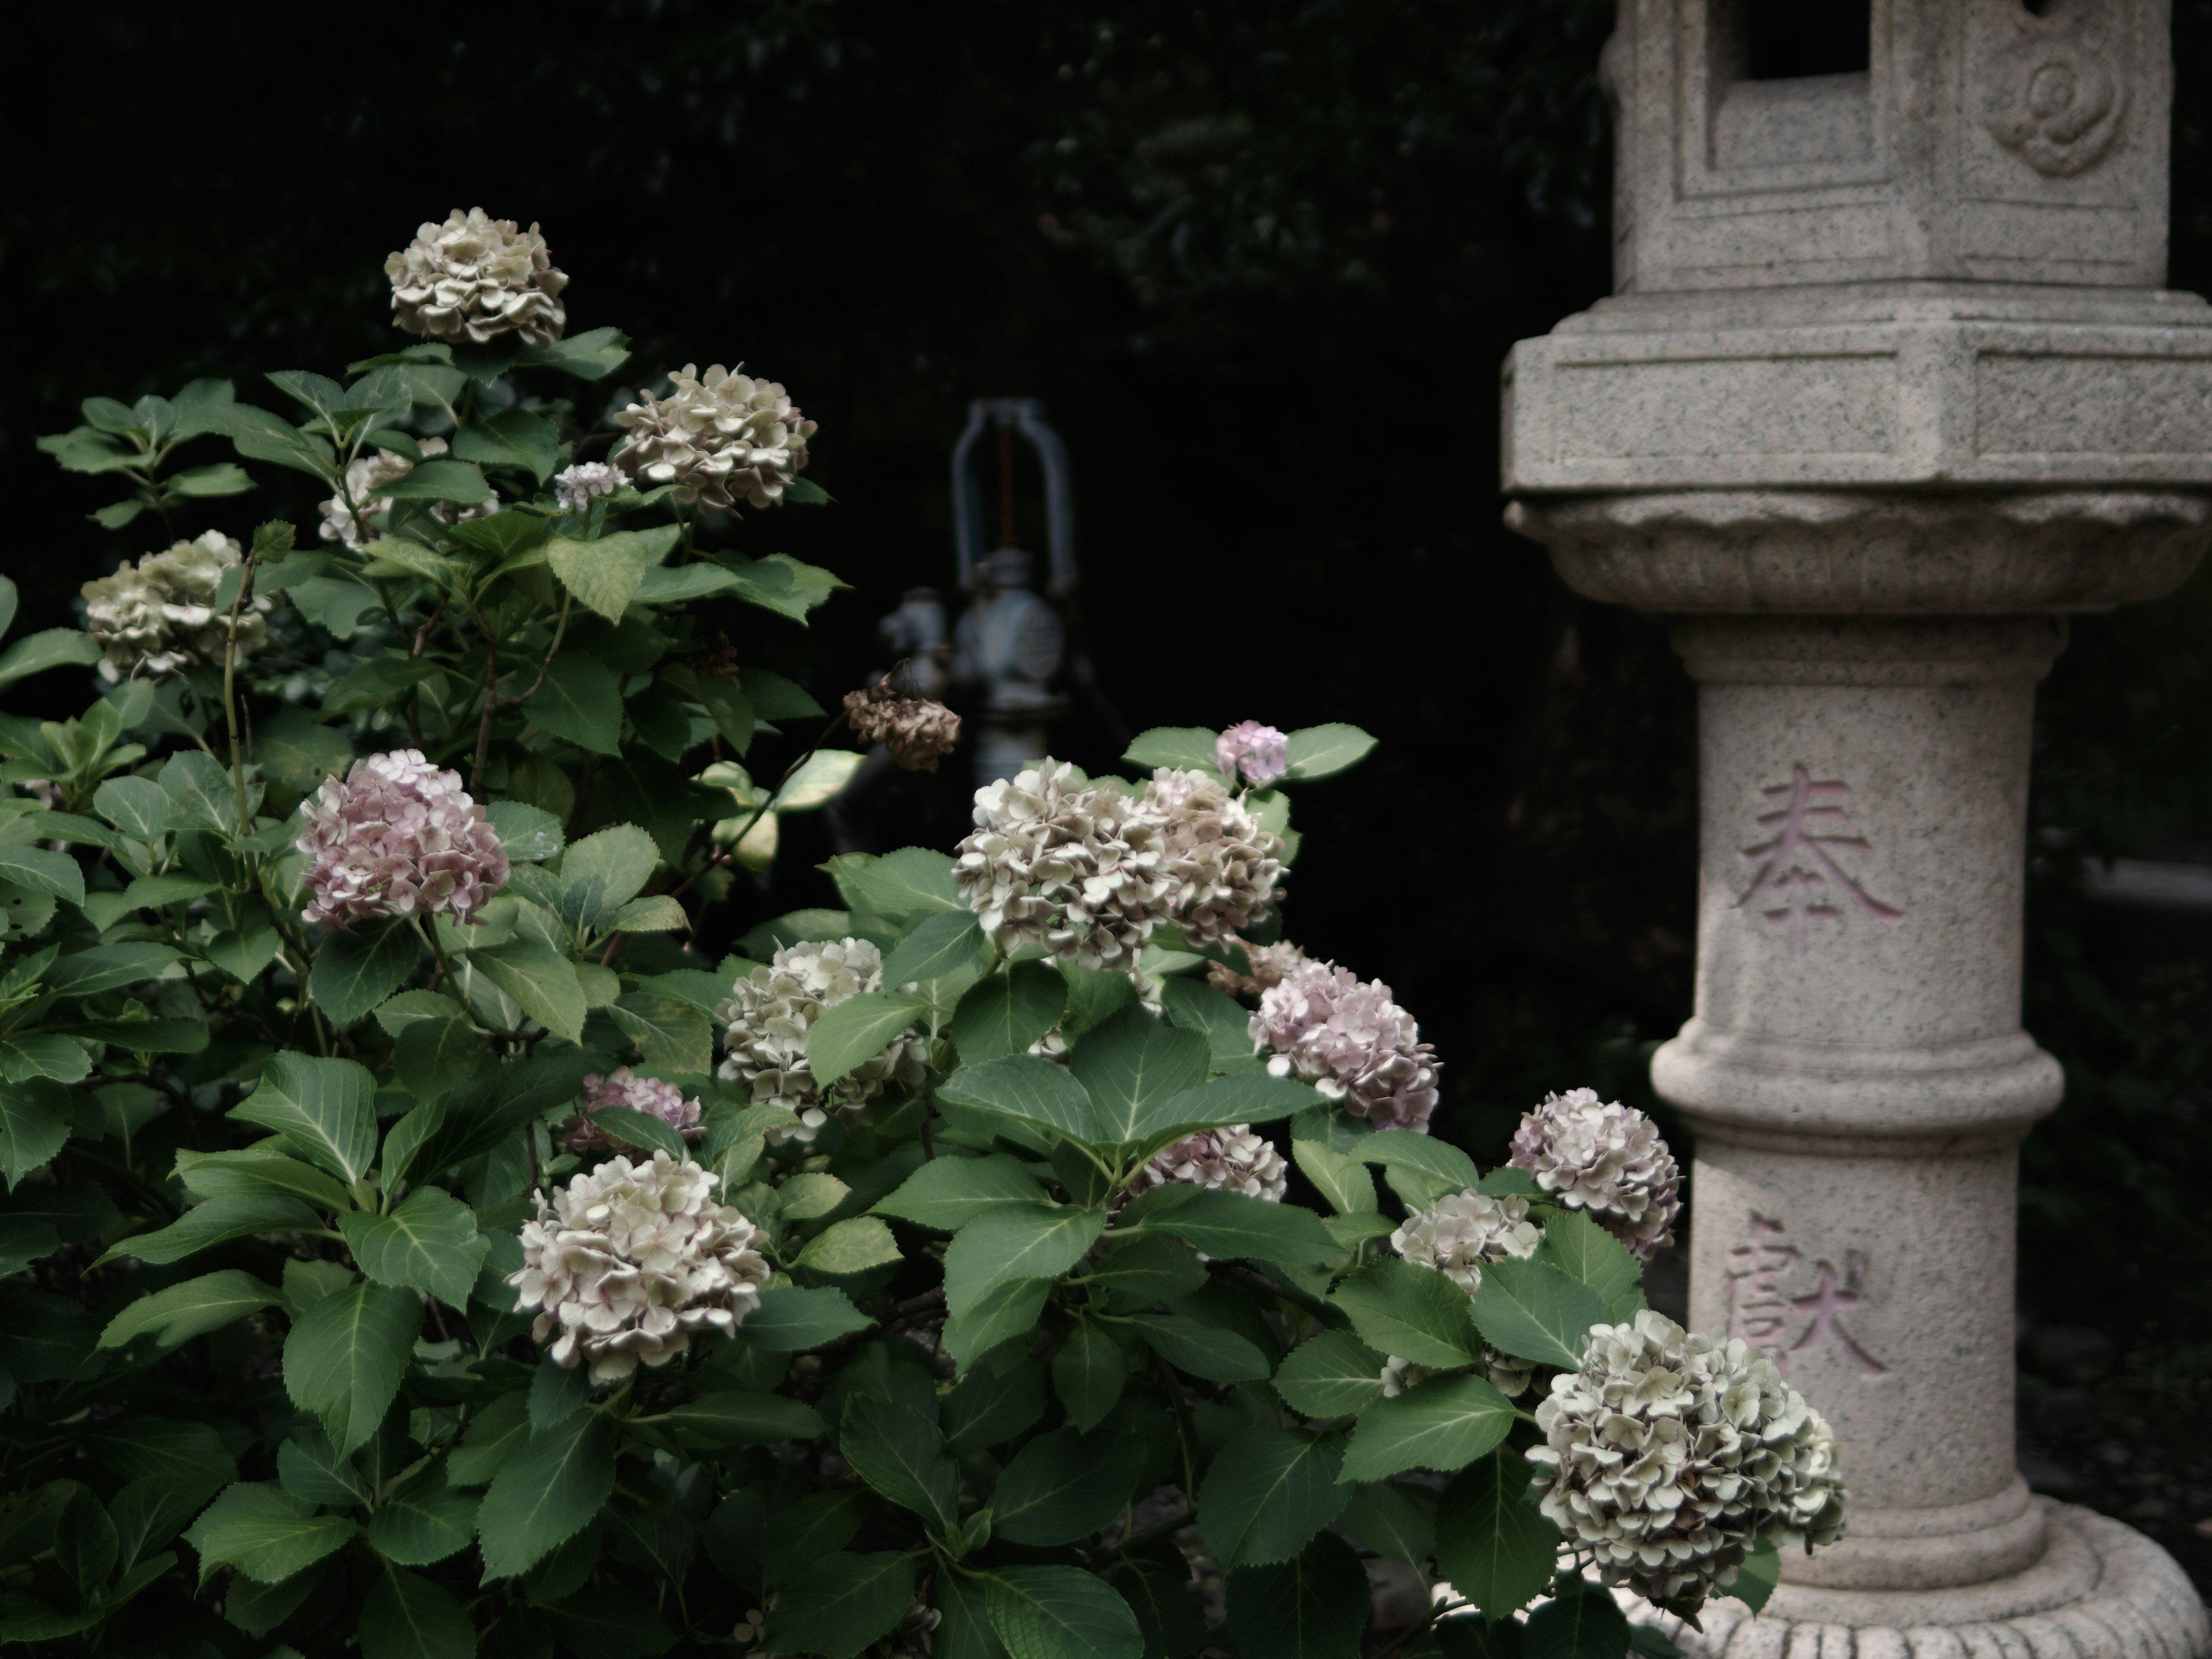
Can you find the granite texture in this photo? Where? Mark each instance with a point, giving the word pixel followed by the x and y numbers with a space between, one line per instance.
pixel 1983 139
pixel 2100 1590
pixel 1889 387
pixel 1887 552
pixel 1671 393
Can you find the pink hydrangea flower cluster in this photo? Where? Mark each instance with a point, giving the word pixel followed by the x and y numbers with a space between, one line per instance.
pixel 1231 1159
pixel 1606 1160
pixel 1261 752
pixel 1351 1041
pixel 648 1095
pixel 396 837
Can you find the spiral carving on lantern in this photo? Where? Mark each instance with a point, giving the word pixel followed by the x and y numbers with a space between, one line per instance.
pixel 2058 95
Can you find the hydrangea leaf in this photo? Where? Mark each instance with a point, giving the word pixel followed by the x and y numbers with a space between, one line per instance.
pixel 838 1605
pixel 948 1192
pixel 177 1314
pixel 1534 1311
pixel 429 1243
pixel 1415 1313
pixel 1586 1253
pixel 856 1031
pixel 1005 1013
pixel 1268 1492
pixel 1061 1612
pixel 1028 1241
pixel 1332 1375
pixel 355 971
pixel 544 1493
pixel 1314 1606
pixel 1492 1542
pixel 325 1107
pixel 266 1533
pixel 902 1454
pixel 1061 1486
pixel 1443 1424
pixel 345 1355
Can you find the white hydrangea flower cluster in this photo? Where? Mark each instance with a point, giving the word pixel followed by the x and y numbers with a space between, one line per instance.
pixel 397 836
pixel 1606 1160
pixel 720 439
pixel 1231 1159
pixel 367 475
pixel 1351 1041
pixel 649 1095
pixel 630 1259
pixel 1221 865
pixel 475 278
pixel 160 617
pixel 772 1009
pixel 1667 1453
pixel 576 487
pixel 1464 1230
pixel 1076 867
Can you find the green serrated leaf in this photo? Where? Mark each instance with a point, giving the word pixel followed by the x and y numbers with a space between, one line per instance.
pixel 1218 1356
pixel 1006 1012
pixel 193 1309
pixel 1443 1424
pixel 791 1320
pixel 839 1604
pixel 1268 1492
pixel 1534 1311
pixel 34 1122
pixel 407 1616
pixel 325 1107
pixel 902 1454
pixel 423 1519
pixel 856 1031
pixel 1586 1623
pixel 1586 1253
pixel 429 1243
pixel 1188 748
pixel 850 1247
pixel 1334 1374
pixel 1232 1226
pixel 355 971
pixel 345 1355
pixel 544 1493
pixel 266 1533
pixel 1061 1613
pixel 580 701
pixel 1312 1608
pixel 1011 1244
pixel 1415 1313
pixel 948 1192
pixel 1492 1542
pixel 1089 1373
pixel 1061 1486
pixel 1396 1521
pixel 604 575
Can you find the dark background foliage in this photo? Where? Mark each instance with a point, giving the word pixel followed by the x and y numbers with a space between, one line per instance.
pixel 1261 262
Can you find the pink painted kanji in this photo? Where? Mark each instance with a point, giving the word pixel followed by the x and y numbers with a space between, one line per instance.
pixel 1758 1311
pixel 1763 1312
pixel 1798 875
pixel 1826 1305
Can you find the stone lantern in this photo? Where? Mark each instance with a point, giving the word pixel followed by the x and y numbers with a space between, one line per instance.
pixel 1887 388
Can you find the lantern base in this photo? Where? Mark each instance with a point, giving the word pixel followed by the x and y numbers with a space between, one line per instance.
pixel 2102 1590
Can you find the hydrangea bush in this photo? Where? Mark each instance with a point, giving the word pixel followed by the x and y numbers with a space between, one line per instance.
pixel 417 1239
